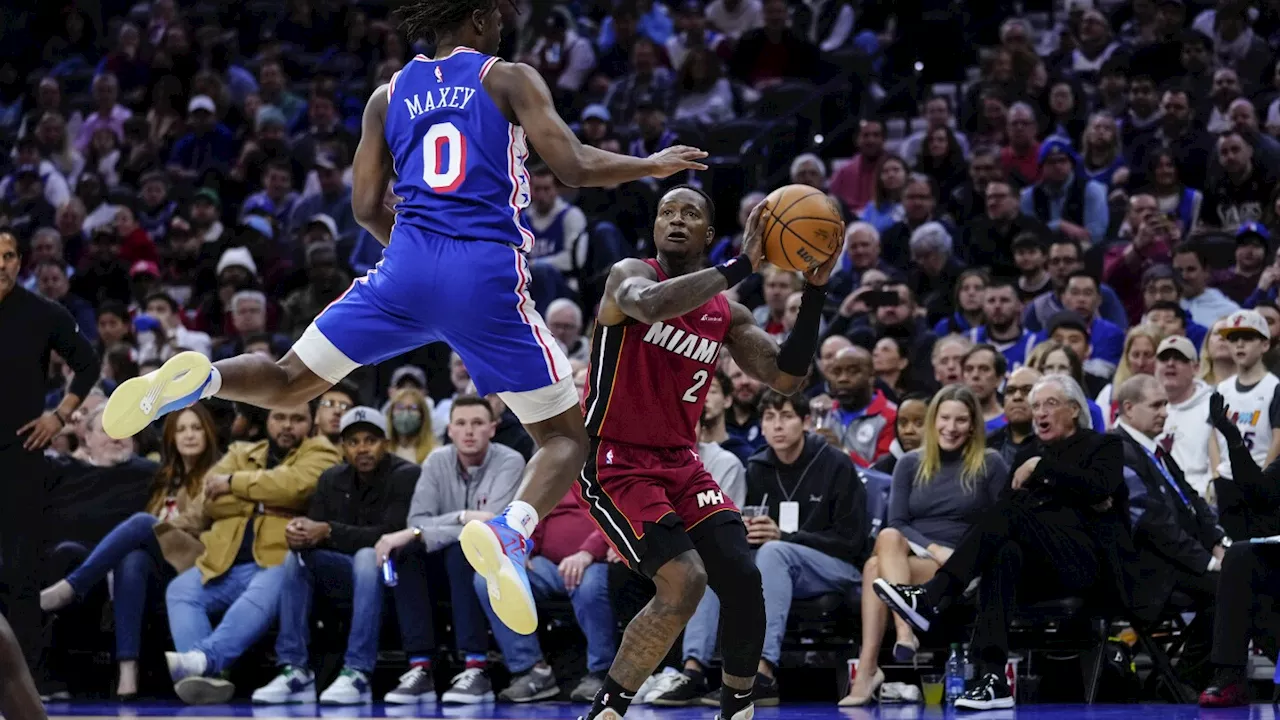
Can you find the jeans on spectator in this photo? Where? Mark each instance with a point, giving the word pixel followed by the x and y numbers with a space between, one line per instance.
pixel 703 629
pixel 789 570
pixel 131 550
pixel 591 607
pixel 341 577
pixel 413 604
pixel 249 594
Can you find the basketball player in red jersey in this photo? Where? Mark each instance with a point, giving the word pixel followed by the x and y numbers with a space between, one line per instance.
pixel 659 332
pixel 18 697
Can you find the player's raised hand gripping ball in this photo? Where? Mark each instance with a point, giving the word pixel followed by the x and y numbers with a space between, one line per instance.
pixel 802 228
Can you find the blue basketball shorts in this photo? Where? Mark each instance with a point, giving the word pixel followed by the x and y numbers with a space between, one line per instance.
pixel 472 295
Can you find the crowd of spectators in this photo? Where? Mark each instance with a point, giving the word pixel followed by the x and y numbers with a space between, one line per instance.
pixel 1088 192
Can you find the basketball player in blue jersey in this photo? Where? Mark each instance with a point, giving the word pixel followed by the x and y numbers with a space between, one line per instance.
pixel 451 132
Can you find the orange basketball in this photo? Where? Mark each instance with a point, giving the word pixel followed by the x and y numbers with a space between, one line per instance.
pixel 801 227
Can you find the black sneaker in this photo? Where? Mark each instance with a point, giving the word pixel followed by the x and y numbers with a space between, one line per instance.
pixel 766 691
pixel 711 699
pixel 990 692
pixel 684 691
pixel 909 602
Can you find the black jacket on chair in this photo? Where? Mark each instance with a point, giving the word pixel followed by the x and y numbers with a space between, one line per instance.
pixel 1168 534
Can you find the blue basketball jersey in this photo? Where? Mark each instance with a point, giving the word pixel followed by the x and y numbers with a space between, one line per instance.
pixel 459 163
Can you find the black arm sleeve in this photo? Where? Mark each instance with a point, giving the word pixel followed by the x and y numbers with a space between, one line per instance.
pixel 798 349
pixel 75 350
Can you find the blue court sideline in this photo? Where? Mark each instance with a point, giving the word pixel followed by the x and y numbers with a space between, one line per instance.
pixel 566 711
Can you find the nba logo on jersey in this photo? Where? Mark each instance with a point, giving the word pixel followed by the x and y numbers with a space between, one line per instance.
pixel 439 75
pixel 608 458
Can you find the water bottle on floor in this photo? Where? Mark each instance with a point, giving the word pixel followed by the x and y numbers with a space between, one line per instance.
pixel 954 682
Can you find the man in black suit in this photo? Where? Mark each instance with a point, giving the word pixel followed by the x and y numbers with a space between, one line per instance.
pixel 1178 544
pixel 1061 531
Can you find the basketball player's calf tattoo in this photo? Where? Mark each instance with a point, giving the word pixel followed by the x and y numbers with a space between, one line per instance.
pixel 647 639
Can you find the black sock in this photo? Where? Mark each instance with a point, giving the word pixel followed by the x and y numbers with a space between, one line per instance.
pixel 730 702
pixel 696 675
pixel 611 695
pixel 1228 675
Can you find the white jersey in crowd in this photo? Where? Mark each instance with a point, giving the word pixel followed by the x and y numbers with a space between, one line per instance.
pixel 1256 410
pixel 1186 434
pixel 726 469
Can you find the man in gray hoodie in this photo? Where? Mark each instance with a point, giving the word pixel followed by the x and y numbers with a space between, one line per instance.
pixel 472 478
pixel 1187 430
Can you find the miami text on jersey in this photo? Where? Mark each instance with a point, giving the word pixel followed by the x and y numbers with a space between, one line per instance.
pixel 694 347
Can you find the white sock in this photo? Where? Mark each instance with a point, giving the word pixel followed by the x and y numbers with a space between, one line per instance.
pixel 521 517
pixel 215 384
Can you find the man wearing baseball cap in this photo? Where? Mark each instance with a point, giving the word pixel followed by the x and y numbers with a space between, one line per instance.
pixel 1187 430
pixel 1067 202
pixel 1251 392
pixel 331 551
pixel 208 144
pixel 1253 248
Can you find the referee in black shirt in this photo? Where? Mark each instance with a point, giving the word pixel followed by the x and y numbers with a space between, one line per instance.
pixel 30 328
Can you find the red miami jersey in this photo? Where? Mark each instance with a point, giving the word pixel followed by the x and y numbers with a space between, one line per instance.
pixel 647 383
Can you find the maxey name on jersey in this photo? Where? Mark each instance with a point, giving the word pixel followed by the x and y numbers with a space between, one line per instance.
pixel 693 347
pixel 446 97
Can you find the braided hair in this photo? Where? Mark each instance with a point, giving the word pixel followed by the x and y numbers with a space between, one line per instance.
pixel 425 19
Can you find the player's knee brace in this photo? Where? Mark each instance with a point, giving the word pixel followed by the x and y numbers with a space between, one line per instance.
pixel 732 574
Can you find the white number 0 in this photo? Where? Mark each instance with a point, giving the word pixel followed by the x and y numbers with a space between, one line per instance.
pixel 444 140
pixel 699 379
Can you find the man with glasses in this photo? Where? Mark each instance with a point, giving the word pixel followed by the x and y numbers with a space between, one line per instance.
pixel 1017 433
pixel 989 238
pixel 1066 256
pixel 330 408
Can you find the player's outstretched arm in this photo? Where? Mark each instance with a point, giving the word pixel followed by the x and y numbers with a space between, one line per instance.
pixel 576 165
pixel 634 291
pixel 783 368
pixel 372 169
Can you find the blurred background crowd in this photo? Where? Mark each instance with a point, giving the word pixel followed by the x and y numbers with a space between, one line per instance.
pixel 1084 187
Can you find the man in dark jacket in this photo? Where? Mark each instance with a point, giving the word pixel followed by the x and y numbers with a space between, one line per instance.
pixel 988 238
pixel 1061 531
pixel 813 538
pixel 354 504
pixel 1176 535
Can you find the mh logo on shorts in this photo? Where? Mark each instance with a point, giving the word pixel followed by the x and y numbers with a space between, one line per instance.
pixel 710 497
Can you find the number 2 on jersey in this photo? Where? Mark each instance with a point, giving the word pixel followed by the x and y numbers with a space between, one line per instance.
pixel 699 379
pixel 444 157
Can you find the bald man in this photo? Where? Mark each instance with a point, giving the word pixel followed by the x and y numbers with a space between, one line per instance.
pixel 866 417
pixel 1176 535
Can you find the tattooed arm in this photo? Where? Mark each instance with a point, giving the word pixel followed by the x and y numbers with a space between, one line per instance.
pixel 634 291
pixel 783 368
pixel 756 352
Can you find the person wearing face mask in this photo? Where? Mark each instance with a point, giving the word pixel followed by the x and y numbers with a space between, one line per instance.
pixel 134 550
pixel 935 489
pixel 412 437
pixel 1062 530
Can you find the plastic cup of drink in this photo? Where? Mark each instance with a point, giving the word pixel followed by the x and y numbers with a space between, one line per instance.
pixel 932 687
pixel 1011 674
pixel 853 671
pixel 750 511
